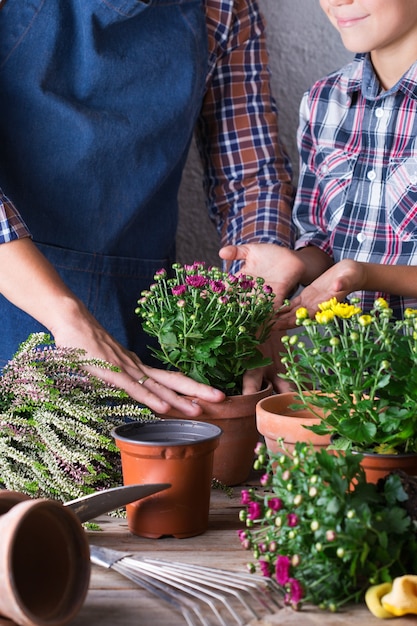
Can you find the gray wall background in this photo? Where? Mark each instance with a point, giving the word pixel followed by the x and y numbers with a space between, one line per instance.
pixel 303 46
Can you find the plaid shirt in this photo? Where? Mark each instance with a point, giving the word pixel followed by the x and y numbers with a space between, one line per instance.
pixel 357 196
pixel 247 174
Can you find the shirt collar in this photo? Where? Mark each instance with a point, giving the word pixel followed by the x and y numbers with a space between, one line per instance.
pixel 362 78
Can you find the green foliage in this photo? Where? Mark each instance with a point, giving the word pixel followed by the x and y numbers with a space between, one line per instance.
pixel 208 323
pixel 364 368
pixel 55 422
pixel 321 531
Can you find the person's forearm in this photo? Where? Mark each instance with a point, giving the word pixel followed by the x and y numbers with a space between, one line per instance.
pixel 30 282
pixel 315 262
pixel 398 280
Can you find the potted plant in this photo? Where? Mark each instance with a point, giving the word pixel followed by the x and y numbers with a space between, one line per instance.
pixel 56 420
pixel 359 372
pixel 209 325
pixel 323 532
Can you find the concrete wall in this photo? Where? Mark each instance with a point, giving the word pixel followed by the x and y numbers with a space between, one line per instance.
pixel 303 46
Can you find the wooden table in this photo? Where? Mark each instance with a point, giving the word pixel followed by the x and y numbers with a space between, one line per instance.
pixel 113 599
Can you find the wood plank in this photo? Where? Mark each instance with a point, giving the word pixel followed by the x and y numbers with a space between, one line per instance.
pixel 114 600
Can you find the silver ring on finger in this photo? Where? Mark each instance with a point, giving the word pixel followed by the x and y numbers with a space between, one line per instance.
pixel 143 380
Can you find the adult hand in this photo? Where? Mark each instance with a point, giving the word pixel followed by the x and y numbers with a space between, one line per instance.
pixel 156 388
pixel 252 381
pixel 280 267
pixel 30 282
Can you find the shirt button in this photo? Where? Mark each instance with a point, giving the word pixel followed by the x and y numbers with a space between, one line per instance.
pixel 361 237
pixel 379 112
pixel 371 175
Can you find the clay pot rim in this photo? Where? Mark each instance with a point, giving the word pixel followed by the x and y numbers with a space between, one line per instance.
pixel 185 432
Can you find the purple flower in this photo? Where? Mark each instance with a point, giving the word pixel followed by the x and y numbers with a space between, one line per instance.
pixel 275 504
pixel 282 569
pixel 246 284
pixel 267 289
pixel 296 591
pixel 245 496
pixel 254 510
pixel 292 520
pixel 217 286
pixel 265 568
pixel 196 281
pixel 179 290
pixel 223 299
pixel 161 273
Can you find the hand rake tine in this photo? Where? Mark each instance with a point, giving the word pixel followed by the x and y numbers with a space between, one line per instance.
pixel 162 591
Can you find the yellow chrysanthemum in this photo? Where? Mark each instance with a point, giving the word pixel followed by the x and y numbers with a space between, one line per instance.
pixel 344 310
pixel 381 303
pixel 365 320
pixel 324 317
pixel 301 314
pixel 410 313
pixel 324 306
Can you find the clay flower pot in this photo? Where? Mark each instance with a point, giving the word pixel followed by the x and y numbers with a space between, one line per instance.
pixel 169 451
pixel 44 561
pixel 378 466
pixel 233 459
pixel 275 420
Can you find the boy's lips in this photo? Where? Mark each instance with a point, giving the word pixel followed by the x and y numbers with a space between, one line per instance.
pixel 347 22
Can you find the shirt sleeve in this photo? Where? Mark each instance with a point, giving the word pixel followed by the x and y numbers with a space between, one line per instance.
pixel 307 213
pixel 247 172
pixel 12 225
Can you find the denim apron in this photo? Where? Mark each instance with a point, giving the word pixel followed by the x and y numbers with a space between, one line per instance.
pixel 98 102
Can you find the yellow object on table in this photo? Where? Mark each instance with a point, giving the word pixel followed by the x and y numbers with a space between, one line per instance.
pixel 393 599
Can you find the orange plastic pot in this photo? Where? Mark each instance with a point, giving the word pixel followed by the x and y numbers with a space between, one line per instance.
pixel 179 452
pixel 233 459
pixel 275 419
pixel 44 561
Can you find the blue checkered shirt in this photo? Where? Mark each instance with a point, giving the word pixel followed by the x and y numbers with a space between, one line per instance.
pixel 357 195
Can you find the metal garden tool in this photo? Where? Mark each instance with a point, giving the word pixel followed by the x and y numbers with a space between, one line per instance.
pixel 90 506
pixel 200 593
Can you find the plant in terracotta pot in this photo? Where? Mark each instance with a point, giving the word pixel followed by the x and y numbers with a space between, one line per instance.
pixel 359 372
pixel 209 325
pixel 56 419
pixel 322 531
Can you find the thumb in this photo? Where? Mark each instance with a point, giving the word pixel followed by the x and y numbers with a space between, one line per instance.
pixel 233 253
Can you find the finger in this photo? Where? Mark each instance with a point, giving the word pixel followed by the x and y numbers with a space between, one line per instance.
pixel 177 382
pixel 252 381
pixel 233 253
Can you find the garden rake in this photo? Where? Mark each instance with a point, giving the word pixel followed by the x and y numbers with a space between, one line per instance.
pixel 199 593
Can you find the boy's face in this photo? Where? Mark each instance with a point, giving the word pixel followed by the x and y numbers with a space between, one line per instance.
pixel 374 25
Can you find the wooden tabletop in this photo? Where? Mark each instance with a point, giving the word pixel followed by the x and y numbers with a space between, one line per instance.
pixel 113 599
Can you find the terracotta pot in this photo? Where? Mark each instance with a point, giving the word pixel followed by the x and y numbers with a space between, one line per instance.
pixel 169 451
pixel 233 459
pixel 378 466
pixel 274 420
pixel 44 561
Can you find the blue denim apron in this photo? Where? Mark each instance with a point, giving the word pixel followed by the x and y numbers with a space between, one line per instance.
pixel 98 102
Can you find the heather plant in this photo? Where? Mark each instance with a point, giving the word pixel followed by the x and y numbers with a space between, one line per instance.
pixel 208 323
pixel 321 531
pixel 55 422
